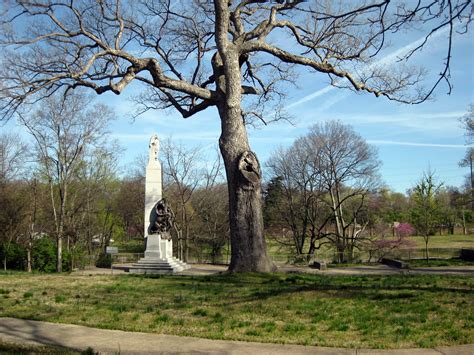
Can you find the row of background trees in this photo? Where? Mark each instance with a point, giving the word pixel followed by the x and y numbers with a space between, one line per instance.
pixel 324 190
pixel 63 199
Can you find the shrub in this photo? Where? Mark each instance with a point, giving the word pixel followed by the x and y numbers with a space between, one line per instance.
pixel 388 246
pixel 15 256
pixel 104 260
pixel 43 255
pixel 77 257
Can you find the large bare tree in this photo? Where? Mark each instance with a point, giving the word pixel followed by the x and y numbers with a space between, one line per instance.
pixel 348 167
pixel 299 171
pixel 192 55
pixel 326 177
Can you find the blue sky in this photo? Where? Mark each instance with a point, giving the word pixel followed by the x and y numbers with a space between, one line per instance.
pixel 410 138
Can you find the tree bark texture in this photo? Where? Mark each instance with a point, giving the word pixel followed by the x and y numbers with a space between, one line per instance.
pixel 248 247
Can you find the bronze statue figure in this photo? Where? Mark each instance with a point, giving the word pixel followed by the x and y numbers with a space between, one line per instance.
pixel 164 219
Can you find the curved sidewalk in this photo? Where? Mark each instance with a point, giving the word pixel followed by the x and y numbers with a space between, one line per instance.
pixel 209 269
pixel 119 342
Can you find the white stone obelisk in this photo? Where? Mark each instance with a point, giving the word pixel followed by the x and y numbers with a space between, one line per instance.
pixel 154 244
pixel 153 182
pixel 159 251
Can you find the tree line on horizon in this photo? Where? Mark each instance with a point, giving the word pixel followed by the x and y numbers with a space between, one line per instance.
pixel 63 200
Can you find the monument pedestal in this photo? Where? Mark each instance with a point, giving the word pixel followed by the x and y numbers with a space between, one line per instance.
pixel 158 258
pixel 158 221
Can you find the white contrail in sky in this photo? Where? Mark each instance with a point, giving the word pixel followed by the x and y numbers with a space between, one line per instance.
pixel 311 96
pixel 389 58
pixel 414 144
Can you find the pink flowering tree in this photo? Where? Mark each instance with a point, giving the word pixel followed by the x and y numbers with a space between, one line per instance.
pixel 387 246
pixel 403 230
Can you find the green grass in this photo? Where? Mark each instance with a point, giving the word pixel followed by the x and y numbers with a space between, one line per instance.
pixel 455 241
pixel 414 263
pixel 31 349
pixel 439 247
pixel 345 311
pixel 439 262
pixel 343 265
pixel 131 246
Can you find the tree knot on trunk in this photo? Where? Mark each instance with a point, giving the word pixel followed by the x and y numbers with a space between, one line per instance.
pixel 249 169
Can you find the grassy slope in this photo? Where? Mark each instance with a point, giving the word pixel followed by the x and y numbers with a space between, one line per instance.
pixel 455 241
pixel 378 312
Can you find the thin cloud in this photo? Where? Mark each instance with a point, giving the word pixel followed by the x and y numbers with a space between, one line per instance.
pixel 204 135
pixel 193 136
pixel 416 144
pixel 272 139
pixel 387 59
pixel 444 123
pixel 402 118
pixel 131 137
pixel 312 96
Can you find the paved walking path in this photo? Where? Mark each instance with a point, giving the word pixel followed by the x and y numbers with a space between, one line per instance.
pixel 119 342
pixel 385 270
pixel 207 269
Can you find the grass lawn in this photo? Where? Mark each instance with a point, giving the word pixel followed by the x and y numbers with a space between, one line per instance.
pixel 347 311
pixel 439 246
pixel 455 241
pixel 414 263
pixel 11 348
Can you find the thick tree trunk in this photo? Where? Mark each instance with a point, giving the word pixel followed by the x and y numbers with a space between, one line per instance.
pixel 248 247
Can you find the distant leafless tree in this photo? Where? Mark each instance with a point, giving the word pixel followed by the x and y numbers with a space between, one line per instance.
pixel 95 184
pixel 211 203
pixel 182 175
pixel 348 168
pixel 468 123
pixel 63 130
pixel 231 55
pixel 13 160
pixel 13 156
pixel 327 175
pixel 303 211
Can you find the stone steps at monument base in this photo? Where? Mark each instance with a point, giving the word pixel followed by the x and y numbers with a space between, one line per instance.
pixel 140 269
pixel 158 266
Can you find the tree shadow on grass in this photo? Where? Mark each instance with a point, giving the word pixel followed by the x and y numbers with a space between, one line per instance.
pixel 265 286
